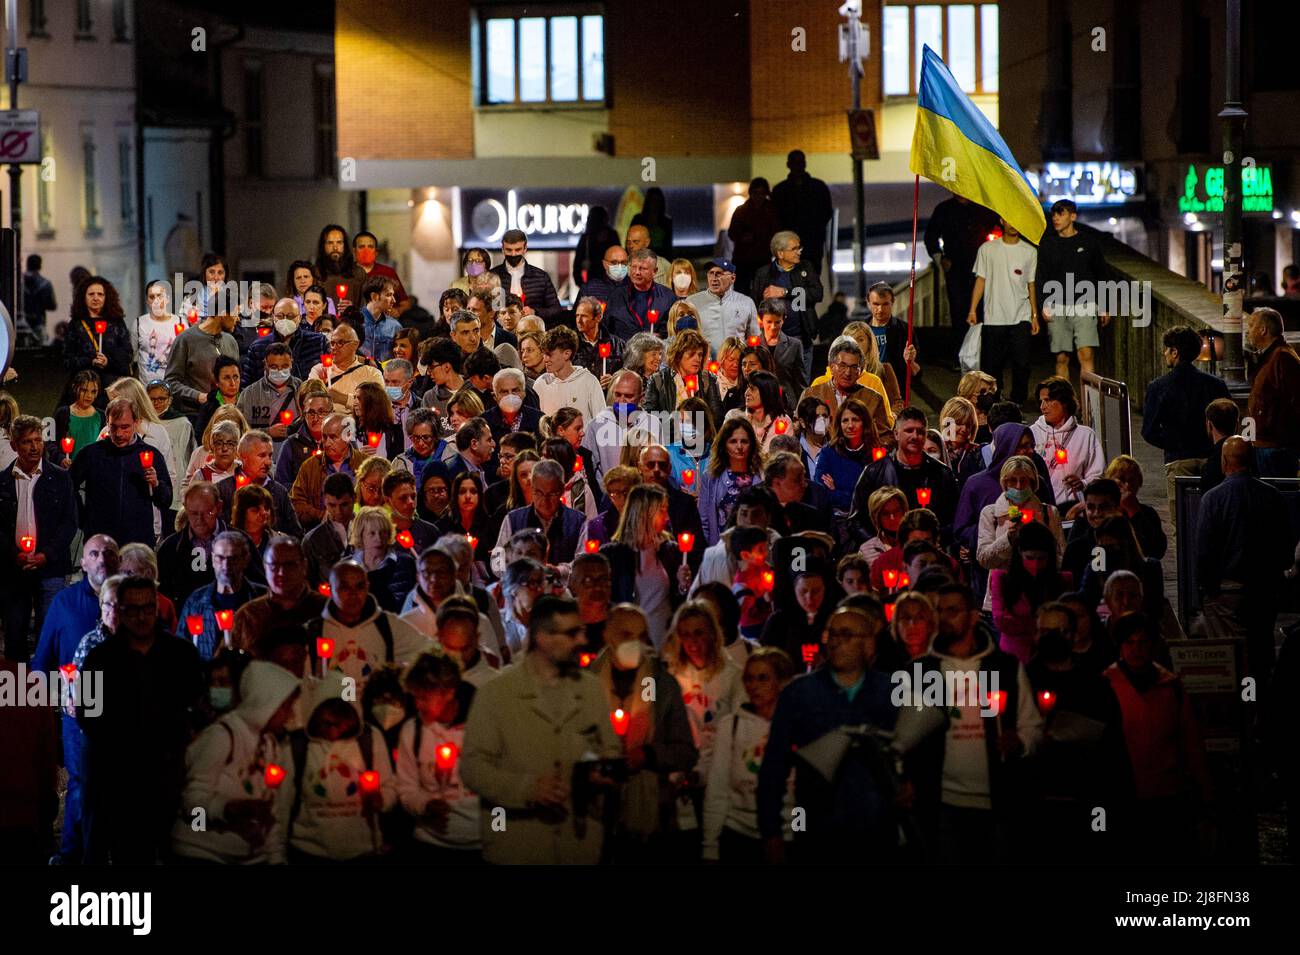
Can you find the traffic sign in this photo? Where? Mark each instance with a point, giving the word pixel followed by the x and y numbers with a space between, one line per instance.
pixel 862 134
pixel 20 136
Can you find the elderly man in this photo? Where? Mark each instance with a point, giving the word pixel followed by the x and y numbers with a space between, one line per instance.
pixel 254 467
pixel 598 351
pixel 529 732
pixel 643 305
pixel 474 449
pixel 612 281
pixel 337 457
pixel 303 441
pixel 533 285
pixel 38 504
pixel 792 278
pixel 305 346
pixel 607 433
pixel 1243 547
pixel 724 311
pixel 398 373
pixel 124 480
pixel 561 525
pixel 846 361
pixel 289 602
pixel 509 414
pixel 656 467
pixel 1274 396
pixel 185 557
pixel 638 238
pixel 230 589
pixel 346 372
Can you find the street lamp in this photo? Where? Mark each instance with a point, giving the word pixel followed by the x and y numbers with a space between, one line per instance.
pixel 853 44
pixel 1234 125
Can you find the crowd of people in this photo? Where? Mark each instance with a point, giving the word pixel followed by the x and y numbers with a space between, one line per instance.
pixel 631 581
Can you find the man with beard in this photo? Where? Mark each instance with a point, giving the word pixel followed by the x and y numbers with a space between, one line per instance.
pixel 532 742
pixel 365 249
pixel 337 268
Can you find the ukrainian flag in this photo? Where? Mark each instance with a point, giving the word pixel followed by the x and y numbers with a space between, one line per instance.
pixel 957 147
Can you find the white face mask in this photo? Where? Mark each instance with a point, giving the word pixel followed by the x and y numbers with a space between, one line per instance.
pixel 510 403
pixel 285 327
pixel 820 426
pixel 681 281
pixel 688 434
pixel 628 654
pixel 387 715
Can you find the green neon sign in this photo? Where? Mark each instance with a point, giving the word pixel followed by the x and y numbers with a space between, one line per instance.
pixel 1203 192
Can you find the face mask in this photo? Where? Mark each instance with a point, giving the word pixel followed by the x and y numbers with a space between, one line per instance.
pixel 514 260
pixel 628 654
pixel 623 407
pixel 278 376
pixel 475 269
pixel 366 256
pixel 681 281
pixel 394 393
pixel 510 403
pixel 617 272
pixel 284 327
pixel 1017 495
pixel 821 425
pixel 689 434
pixel 221 697
pixel 387 715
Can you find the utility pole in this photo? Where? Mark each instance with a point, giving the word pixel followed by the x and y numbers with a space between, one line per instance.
pixel 15 73
pixel 1234 134
pixel 853 49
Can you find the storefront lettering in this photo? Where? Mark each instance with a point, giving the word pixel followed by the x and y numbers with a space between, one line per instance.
pixel 491 219
pixel 1256 190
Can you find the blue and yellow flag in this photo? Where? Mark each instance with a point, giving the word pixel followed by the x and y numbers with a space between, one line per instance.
pixel 957 147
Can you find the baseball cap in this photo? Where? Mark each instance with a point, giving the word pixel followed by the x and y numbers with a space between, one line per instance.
pixel 725 264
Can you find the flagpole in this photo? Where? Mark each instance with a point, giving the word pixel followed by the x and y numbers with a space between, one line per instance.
pixel 911 286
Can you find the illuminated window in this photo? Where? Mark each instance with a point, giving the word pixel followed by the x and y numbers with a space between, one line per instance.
pixel 541 60
pixel 964 34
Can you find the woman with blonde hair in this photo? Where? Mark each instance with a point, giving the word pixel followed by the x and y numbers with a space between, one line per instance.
pixel 370 482
pixel 139 560
pixel 731 383
pixel 914 625
pixel 648 567
pixel 619 482
pixel 886 507
pixel 682 287
pixel 980 389
pixel 683 376
pixel 710 680
pixel 958 422
pixel 1127 473
pixel 636 440
pixel 389 566
pixel 531 355
pixel 205 454
pixel 861 333
pixel 1000 522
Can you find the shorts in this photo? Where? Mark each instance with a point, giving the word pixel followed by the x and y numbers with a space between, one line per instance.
pixel 1070 332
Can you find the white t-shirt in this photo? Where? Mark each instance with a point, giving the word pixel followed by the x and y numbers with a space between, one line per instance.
pixel 1007 269
pixel 153 345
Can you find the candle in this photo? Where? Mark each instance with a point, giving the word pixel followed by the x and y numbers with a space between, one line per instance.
pixel 405 539
pixel 577 465
pixel 340 290
pixel 692 384
pixel 769 580
pixel 654 316
pixel 782 425
pixel 225 619
pixel 178 328
pixel 274 775
pixel 263 332
pixel 445 756
pixel 878 453
pixel 714 367
pixel 324 648
pixel 604 349
pixel 997 701
pixel 324 590
pixel 286 416
pixel 593 546
pixel 194 624
pixel 688 476
pixel 1061 456
pixel 146 459
pixel 69 671
pixel 889 613
pixel 585 659
pixel 685 542
pixel 100 328
pixel 194 315
pixel 753 341
pixel 904 581
pixel 241 480
pixel 372 438
pixel 327 360
pixel 1046 701
pixel 620 720
pixel 473 541
pixel 1026 517
pixel 68 442
pixel 923 496
pixel 369 781
pixel 27 543
pixel 809 653
pixel 890 577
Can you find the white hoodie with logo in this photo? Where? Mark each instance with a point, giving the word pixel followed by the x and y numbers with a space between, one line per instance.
pixel 580 390
pixel 419 780
pixel 359 649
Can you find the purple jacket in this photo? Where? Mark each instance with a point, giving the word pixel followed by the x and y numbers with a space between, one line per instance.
pixel 984 488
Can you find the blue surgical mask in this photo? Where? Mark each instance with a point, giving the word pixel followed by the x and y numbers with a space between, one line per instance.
pixel 617 272
pixel 394 393
pixel 621 408
pixel 1017 495
pixel 278 376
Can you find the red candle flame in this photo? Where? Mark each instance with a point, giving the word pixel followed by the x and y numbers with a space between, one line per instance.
pixel 1046 700
pixel 654 315
pixel 473 541
pixel 809 652
pixel 604 349
pixel 1061 456
pixel 445 756
pixel 179 328
pixel 593 546
pixel 274 775
pixel 685 542
pixel 324 648
pixel 324 590
pixel 241 480
pixel 369 781
pixel 194 315
pixel 577 465
pixel 714 367
pixel 27 543
pixel 372 438
pixel 688 476
pixel 1026 517
pixel 286 416
pixel 769 579
pixel 340 291
pixel 327 361
pixel 997 701
pixel 194 623
pixel 878 453
pixel 753 341
pixel 904 581
pixel 68 442
pixel 585 659
pixel 923 496
pixel 782 425
pixel 620 720
pixel 101 327
pixel 69 671
pixel 146 459
pixel 405 539
pixel 225 619
pixel 891 578
pixel 263 332
pixel 889 613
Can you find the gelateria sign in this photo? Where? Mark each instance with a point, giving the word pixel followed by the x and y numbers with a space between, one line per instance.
pixel 1203 189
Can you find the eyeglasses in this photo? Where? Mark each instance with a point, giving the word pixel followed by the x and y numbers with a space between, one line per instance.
pixel 293 316
pixel 547 495
pixel 314 414
pixel 224 445
pixel 421 439
pixel 658 466
pixel 844 366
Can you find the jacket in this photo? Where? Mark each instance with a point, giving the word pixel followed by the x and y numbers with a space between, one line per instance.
pixel 799 322
pixel 292 452
pixel 204 602
pixel 180 571
pixel 985 487
pixel 1084 455
pixel 283 517
pixel 931 474
pixel 731 315
pixel 1017 623
pixel 420 779
pixel 323 549
pixel 511 739
pixel 787 355
pixel 307 493
pixel 563 535
pixel 844 470
pixel 261 404
pixel 360 648
pixel 1173 415
pixel 228 762
pixel 1275 398
pixel 54 503
pixel 661 392
pixel 73 612
pixel 305 346
pixel 1164 741
pixel 588 353
pixel 623 565
pixel 81 343
pixel 539 290
pixel 712 490
pixel 189 366
pixel 621 320
pixel 879 430
pixel 118 501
